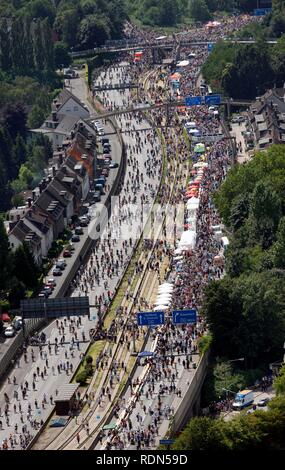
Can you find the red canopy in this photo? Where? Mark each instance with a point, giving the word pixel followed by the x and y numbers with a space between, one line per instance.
pixel 5 317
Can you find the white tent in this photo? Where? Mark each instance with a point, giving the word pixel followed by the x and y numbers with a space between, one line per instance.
pixel 183 63
pixel 200 165
pixel 165 295
pixel 163 301
pixel 162 290
pixel 160 307
pixel 193 203
pixel 188 240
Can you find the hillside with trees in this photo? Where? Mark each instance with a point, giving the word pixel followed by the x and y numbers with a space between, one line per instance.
pixel 172 12
pixel 245 310
pixel 247 71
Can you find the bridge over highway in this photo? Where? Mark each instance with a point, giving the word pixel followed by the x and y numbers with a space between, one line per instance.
pixel 170 44
pixel 166 104
pixel 115 86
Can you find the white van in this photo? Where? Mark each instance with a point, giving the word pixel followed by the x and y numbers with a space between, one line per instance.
pixel 225 242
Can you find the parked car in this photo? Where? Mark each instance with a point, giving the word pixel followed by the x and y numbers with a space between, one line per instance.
pixel 263 401
pixel 67 254
pixel 9 331
pixel 97 196
pixel 47 289
pixel 101 131
pixel 17 323
pixel 45 292
pixel 57 272
pixel 113 165
pixel 51 282
pixel 75 238
pixel 105 172
pixel 78 231
pixel 60 264
pixel 84 221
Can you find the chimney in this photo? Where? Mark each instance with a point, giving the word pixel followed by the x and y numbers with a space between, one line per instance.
pixel 53 171
pixel 54 116
pixel 34 195
pixel 40 187
pixel 60 157
pixel 29 200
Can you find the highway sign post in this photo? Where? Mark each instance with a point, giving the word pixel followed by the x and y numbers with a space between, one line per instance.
pixel 150 318
pixel 213 100
pixel 184 316
pixel 193 100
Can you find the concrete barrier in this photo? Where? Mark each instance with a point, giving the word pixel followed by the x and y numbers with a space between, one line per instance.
pixel 188 406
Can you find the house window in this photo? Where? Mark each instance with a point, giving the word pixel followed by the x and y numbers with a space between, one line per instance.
pixel 75 108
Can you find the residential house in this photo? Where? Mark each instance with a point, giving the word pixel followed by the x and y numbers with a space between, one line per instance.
pixel 53 209
pixel 67 109
pixel 267 118
pixel 22 233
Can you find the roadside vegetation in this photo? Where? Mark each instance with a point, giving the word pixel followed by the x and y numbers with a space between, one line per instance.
pixel 248 70
pixel 261 430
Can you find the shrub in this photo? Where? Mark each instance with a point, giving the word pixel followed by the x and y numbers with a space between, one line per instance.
pixel 82 377
pixel 89 360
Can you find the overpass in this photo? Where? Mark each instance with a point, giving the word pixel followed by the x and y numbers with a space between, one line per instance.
pixel 166 104
pixel 115 86
pixel 167 45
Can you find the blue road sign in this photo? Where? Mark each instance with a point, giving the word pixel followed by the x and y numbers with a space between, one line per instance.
pixel 184 316
pixel 166 442
pixel 150 318
pixel 193 100
pixel 261 11
pixel 210 47
pixel 213 99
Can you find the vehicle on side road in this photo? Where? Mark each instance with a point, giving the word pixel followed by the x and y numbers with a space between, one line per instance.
pixel 75 238
pixel 57 272
pixel 263 401
pixel 9 332
pixel 67 254
pixel 17 323
pixel 113 165
pixel 78 231
pixel 242 399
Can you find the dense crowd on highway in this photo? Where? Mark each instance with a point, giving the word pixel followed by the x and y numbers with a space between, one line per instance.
pixel 175 346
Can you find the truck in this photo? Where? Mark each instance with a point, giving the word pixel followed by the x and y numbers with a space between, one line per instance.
pixel 243 399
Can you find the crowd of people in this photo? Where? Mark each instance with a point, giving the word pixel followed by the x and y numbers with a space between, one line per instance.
pixel 175 346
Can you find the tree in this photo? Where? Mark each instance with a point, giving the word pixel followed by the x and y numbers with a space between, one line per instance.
pixel 279 382
pixel 4 257
pixel 61 56
pixel 199 11
pixel 36 117
pixel 239 211
pixel 93 30
pixel 201 434
pixel 24 266
pixel 14 119
pixel 278 60
pixel 264 214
